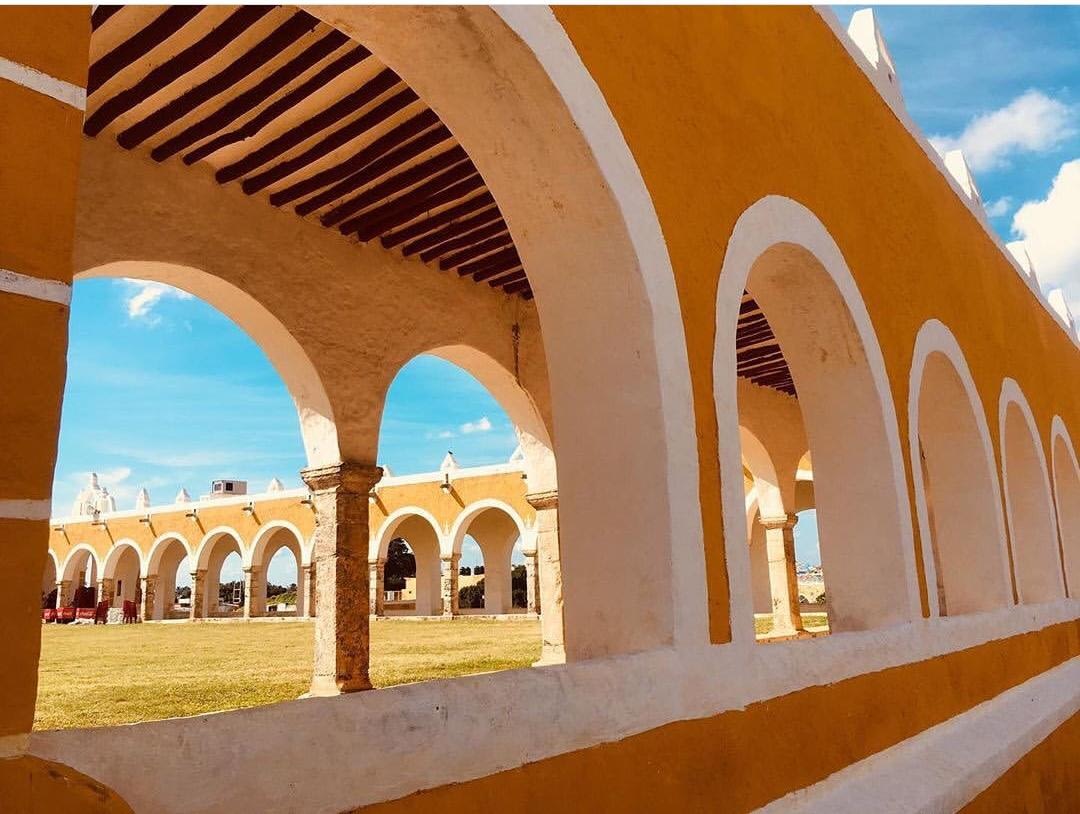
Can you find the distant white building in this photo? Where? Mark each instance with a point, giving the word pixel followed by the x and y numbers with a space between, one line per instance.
pixel 93 498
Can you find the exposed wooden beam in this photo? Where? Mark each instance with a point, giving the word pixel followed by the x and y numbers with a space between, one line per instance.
pixel 510 264
pixel 272 45
pixel 371 159
pixel 490 230
pixel 190 58
pixel 294 97
pixel 101 15
pixel 501 241
pixel 415 202
pixel 339 138
pixel 506 279
pixel 139 44
pixel 522 286
pixel 342 108
pixel 452 231
pixel 493 264
pixel 403 180
pixel 393 239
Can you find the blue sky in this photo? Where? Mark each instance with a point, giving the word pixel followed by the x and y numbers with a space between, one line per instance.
pixel 164 392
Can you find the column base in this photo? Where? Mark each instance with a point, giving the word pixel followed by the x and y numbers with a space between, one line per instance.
pixel 551 654
pixel 326 687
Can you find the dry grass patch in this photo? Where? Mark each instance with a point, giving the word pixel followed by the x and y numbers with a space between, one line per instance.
pixel 117 674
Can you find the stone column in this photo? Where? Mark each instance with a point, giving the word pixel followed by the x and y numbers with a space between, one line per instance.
pixel 198 595
pixel 63 588
pixel 532 584
pixel 450 568
pixel 553 650
pixel 783 581
pixel 340 552
pixel 149 596
pixel 307 589
pixel 253 600
pixel 106 590
pixel 376 580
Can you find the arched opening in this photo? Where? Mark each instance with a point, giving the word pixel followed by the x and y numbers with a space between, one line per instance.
pixel 168 579
pixel 408 553
pixel 956 485
pixel 494 531
pixel 49 579
pixel 80 578
pixel 1067 499
pixel 218 583
pixel 796 354
pixel 277 582
pixel 1028 502
pixel 121 576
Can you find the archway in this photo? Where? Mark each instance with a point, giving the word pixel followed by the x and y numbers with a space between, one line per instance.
pixel 414 532
pixel 1028 502
pixel 957 493
pixel 1067 500
pixel 120 581
pixel 276 558
pixel 218 546
pixel 81 570
pixel 814 343
pixel 168 565
pixel 49 579
pixel 495 528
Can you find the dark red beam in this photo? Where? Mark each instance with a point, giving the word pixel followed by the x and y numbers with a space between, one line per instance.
pixel 502 241
pixel 452 231
pixel 389 241
pixel 138 44
pixel 412 204
pixel 469 239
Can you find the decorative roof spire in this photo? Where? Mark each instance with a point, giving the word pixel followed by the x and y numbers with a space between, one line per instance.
pixel 866 34
pixel 518 455
pixel 1018 249
pixel 182 496
pixel 1057 301
pixel 142 500
pixel 449 463
pixel 275 485
pixel 958 168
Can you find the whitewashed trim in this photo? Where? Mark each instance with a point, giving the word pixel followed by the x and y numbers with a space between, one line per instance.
pixel 25 509
pixel 947 766
pixel 42 83
pixel 36 288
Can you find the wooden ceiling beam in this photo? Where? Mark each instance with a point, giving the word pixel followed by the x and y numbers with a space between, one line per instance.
pixel 506 279
pixel 280 106
pixel 251 98
pixel 412 204
pixel 493 264
pixel 207 47
pixel 425 226
pixel 101 15
pixel 522 287
pixel 452 231
pixel 339 138
pixel 297 26
pixel 489 230
pixel 378 157
pixel 139 44
pixel 424 171
pixel 328 117
pixel 501 241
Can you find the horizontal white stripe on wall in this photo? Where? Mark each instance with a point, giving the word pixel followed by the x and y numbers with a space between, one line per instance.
pixel 25 509
pixel 43 83
pixel 52 290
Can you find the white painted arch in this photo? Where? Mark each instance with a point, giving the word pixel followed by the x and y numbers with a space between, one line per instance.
pixel 461 524
pixel 76 553
pixel 48 585
pixel 970 524
pixel 209 542
pixel 585 227
pixel 285 353
pixel 1029 504
pixel 388 529
pixel 112 558
pixel 255 553
pixel 865 591
pixel 1066 472
pixel 160 545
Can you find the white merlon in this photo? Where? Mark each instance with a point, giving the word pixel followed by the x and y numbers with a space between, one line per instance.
pixel 449 463
pixel 958 167
pixel 183 496
pixel 517 456
pixel 866 34
pixel 275 485
pixel 1057 301
pixel 142 500
pixel 1018 249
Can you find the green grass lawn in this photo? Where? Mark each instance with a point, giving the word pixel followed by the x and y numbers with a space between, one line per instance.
pixel 117 674
pixel 813 622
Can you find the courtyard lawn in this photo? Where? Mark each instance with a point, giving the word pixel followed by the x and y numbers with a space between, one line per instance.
pixel 813 622
pixel 117 674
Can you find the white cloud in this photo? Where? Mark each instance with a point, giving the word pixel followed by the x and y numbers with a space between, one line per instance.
pixel 143 296
pixel 1051 230
pixel 441 434
pixel 999 207
pixel 481 425
pixel 1030 123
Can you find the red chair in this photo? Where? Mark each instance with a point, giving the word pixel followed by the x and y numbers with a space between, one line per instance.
pixel 48 615
pixel 66 614
pixel 85 613
pixel 101 613
pixel 131 614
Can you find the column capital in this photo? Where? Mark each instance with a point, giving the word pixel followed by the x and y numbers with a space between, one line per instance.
pixel 348 476
pixel 784 521
pixel 543 500
pixel 378 561
pixel 454 557
pixel 248 570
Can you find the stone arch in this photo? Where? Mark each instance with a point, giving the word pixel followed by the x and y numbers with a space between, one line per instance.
pixel 419 528
pixel 767 488
pixel 166 554
pixel 495 526
pixel 81 553
pixel 1029 505
pixel 957 493
pixel 586 230
pixel 267 542
pixel 1067 500
pixel 121 571
pixel 290 360
pixel 779 247
pixel 215 547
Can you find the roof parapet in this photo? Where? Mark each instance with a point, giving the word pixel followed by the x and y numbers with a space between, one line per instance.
pixel 1018 249
pixel 958 168
pixel 1057 301
pixel 866 34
